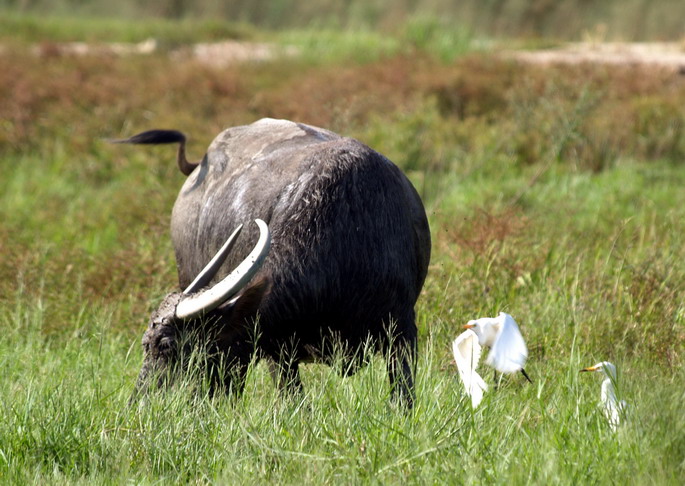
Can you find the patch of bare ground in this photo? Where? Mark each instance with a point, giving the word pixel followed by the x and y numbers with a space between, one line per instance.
pixel 656 54
pixel 53 49
pixel 213 54
pixel 221 54
pixel 670 55
pixel 343 95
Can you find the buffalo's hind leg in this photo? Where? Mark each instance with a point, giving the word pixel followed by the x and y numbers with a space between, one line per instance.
pixel 401 357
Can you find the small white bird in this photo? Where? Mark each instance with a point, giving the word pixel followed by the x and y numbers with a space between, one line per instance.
pixel 613 408
pixel 508 352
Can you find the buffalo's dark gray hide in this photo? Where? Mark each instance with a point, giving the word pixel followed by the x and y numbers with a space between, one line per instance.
pixel 350 247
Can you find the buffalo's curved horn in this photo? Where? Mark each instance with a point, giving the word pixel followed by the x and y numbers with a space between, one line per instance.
pixel 207 273
pixel 164 136
pixel 197 304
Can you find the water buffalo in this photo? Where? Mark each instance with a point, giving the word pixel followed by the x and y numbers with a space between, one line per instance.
pixel 349 251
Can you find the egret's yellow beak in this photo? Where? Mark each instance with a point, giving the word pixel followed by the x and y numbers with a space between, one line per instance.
pixel 469 326
pixel 590 368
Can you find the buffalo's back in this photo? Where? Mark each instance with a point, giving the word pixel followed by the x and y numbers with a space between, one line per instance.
pixel 350 239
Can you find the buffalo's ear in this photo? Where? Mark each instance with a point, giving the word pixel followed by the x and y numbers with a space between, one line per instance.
pixel 245 304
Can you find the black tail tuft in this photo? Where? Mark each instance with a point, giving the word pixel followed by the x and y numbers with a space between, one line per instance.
pixel 155 137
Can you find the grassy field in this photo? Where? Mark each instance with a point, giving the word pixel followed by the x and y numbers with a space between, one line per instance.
pixel 554 194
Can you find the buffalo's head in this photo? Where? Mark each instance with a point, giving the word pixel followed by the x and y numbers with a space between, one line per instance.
pixel 213 320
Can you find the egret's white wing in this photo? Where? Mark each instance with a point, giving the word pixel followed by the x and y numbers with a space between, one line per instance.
pixel 467 354
pixel 509 353
pixel 466 351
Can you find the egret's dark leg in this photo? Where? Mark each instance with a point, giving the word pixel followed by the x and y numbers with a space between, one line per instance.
pixel 526 375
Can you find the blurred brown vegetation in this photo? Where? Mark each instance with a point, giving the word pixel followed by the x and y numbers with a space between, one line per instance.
pixel 621 110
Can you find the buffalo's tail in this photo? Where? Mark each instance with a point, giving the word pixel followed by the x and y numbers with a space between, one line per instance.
pixel 157 137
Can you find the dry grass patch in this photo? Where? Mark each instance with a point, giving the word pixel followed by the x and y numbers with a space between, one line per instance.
pixel 343 97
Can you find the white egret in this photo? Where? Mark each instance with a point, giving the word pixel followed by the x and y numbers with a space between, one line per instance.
pixel 507 353
pixel 613 408
pixel 467 355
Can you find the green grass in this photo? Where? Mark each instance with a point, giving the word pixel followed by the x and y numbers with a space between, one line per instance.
pixel 335 46
pixel 18 27
pixel 441 39
pixel 65 418
pixel 550 197
pixel 541 21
